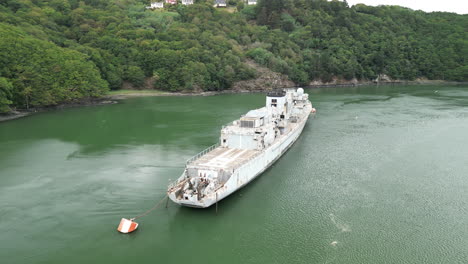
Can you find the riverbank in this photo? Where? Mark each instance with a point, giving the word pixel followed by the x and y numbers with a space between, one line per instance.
pixel 19 113
pixel 111 98
pixel 114 96
pixel 124 94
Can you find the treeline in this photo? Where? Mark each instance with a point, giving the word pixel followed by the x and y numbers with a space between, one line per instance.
pixel 332 40
pixel 63 50
pixel 36 72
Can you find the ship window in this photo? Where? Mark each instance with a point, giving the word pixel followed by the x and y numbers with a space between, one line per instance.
pixel 282 116
pixel 274 102
pixel 224 140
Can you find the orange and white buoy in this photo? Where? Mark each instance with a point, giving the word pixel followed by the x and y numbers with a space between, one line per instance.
pixel 127 226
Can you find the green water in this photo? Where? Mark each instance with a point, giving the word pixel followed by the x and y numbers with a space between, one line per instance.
pixel 380 175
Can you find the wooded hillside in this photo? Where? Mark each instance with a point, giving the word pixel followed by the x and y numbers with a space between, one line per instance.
pixel 62 50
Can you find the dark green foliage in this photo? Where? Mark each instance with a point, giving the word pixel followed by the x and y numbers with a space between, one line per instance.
pixel 43 73
pixel 135 75
pixel 5 94
pixel 249 12
pixel 61 50
pixel 362 42
pixel 260 55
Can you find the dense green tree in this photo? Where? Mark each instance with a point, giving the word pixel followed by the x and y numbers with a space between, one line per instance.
pixel 135 75
pixel 5 94
pixel 44 74
pixel 63 50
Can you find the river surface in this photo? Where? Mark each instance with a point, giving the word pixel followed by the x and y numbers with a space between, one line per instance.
pixel 379 175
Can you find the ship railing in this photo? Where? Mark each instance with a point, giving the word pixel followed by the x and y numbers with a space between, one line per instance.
pixel 194 158
pixel 172 185
pixel 177 182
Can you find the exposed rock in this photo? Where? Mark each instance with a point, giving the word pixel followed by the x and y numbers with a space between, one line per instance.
pixel 266 80
pixel 127 86
pixel 148 84
pixel 338 82
pixel 424 80
pixel 383 78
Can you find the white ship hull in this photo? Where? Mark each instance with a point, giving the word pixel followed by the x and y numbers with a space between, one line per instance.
pixel 249 171
pixel 242 165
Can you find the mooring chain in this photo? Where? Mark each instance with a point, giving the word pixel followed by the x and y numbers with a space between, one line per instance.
pixel 150 210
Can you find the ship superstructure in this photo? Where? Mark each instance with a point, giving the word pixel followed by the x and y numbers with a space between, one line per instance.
pixel 247 147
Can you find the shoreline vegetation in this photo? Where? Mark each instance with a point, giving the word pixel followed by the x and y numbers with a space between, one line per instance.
pixel 131 93
pixel 61 51
pixel 112 97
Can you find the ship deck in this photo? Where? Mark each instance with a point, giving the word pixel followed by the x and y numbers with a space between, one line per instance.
pixel 224 158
